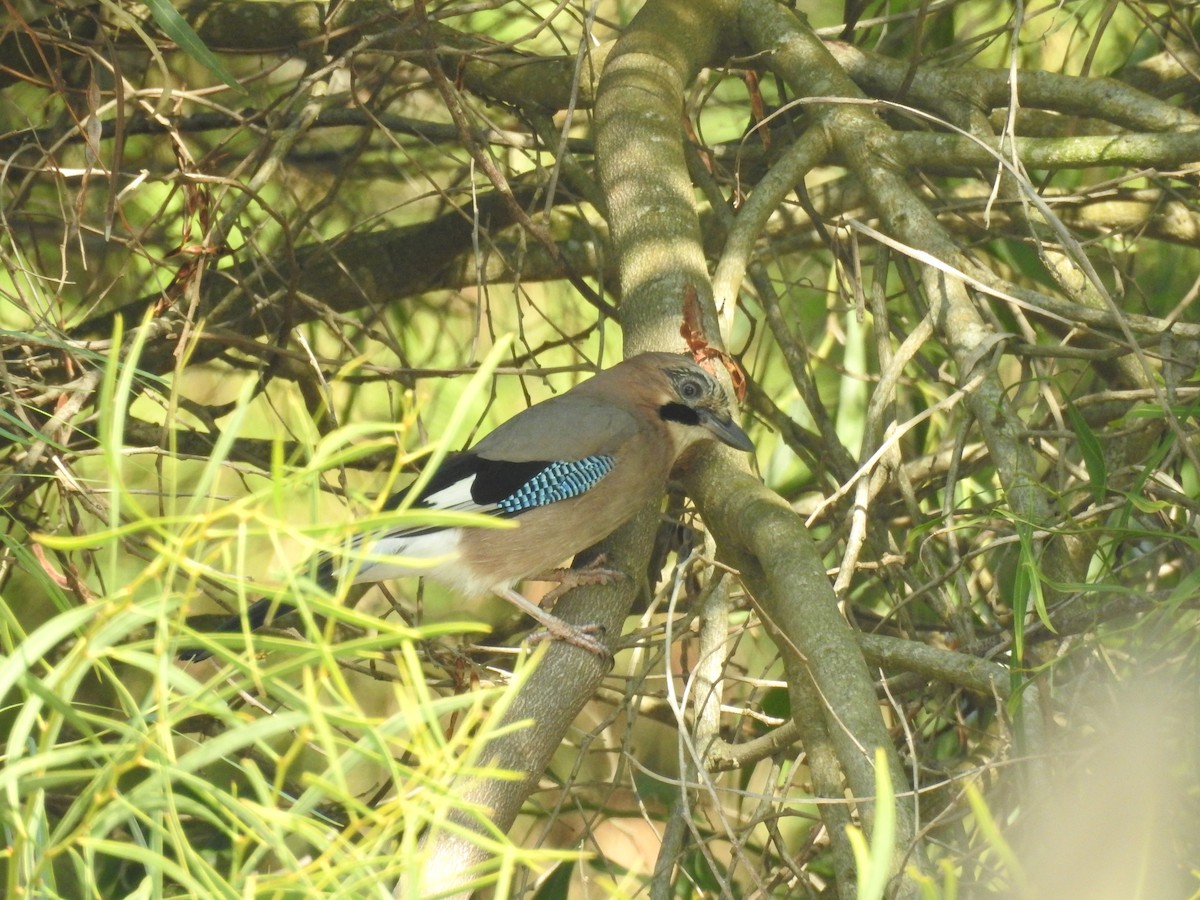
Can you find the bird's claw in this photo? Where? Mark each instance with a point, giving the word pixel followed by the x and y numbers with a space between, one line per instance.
pixel 568 579
pixel 586 637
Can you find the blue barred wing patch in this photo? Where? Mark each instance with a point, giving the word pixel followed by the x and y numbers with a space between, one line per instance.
pixel 558 481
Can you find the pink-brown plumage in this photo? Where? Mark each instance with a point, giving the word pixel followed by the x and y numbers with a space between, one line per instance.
pixel 569 471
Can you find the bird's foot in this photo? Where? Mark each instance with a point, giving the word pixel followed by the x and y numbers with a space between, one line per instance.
pixel 566 579
pixel 587 637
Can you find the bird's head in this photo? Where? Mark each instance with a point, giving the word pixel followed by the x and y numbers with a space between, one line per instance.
pixel 692 405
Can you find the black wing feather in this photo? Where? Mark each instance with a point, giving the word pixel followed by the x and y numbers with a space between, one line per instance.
pixel 495 479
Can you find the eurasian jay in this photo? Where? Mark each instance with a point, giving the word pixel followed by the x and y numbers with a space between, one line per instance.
pixel 569 471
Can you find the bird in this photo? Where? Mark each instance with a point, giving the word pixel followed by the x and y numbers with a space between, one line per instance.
pixel 568 471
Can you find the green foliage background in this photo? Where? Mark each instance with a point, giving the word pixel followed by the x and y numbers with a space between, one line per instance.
pixel 233 318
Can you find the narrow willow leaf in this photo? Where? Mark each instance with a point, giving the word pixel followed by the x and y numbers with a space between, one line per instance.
pixel 874 862
pixel 1020 604
pixel 175 27
pixel 1091 451
pixel 995 839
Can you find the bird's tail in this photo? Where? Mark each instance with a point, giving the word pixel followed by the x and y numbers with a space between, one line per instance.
pixel 261 611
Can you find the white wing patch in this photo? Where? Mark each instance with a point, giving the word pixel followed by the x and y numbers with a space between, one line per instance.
pixel 456 497
pixel 419 554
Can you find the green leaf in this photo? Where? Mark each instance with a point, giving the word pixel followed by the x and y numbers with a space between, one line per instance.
pixel 175 27
pixel 1090 450
pixel 995 839
pixel 557 884
pixel 1039 597
pixel 25 432
pixel 1020 603
pixel 1027 584
pixel 874 862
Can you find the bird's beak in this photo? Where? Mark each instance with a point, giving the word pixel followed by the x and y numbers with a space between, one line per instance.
pixel 725 430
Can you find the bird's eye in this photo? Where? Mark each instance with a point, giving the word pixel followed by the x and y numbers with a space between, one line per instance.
pixel 691 390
